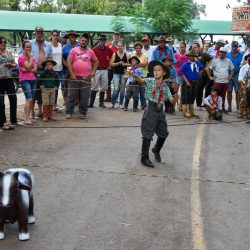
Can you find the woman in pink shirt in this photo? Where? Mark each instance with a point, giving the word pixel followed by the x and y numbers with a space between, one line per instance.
pixel 181 58
pixel 27 68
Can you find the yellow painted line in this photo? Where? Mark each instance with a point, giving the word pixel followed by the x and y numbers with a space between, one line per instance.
pixel 198 238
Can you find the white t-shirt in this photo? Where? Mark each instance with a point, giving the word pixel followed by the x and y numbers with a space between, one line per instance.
pixel 149 52
pixel 57 56
pixel 221 68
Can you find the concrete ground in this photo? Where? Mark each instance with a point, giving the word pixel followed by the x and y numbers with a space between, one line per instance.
pixel 92 192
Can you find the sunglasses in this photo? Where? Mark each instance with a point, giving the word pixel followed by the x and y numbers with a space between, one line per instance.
pixel 3 42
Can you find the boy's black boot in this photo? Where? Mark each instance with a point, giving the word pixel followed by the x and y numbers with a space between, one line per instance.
pixel 157 148
pixel 126 104
pixel 101 99
pixel 135 105
pixel 144 155
pixel 92 99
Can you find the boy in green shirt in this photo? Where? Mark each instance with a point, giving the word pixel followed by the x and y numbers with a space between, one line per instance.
pixel 154 119
pixel 48 80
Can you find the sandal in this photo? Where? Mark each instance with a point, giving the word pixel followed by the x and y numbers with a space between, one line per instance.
pixel 28 122
pixel 5 127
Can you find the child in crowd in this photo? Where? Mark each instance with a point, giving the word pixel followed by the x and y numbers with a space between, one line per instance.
pixel 48 80
pixel 133 85
pixel 191 75
pixel 214 104
pixel 171 82
pixel 154 119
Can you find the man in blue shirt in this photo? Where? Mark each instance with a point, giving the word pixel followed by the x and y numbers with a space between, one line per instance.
pixel 162 50
pixel 236 57
pixel 72 43
pixel 191 75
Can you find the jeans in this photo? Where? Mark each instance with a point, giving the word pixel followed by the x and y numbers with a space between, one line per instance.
pixel 60 73
pixel 2 113
pixel 28 87
pixel 142 96
pixel 7 86
pixel 119 84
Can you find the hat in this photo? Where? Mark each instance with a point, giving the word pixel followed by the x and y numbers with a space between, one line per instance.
pixel 39 29
pixel 102 37
pixel 235 44
pixel 134 57
pixel 167 58
pixel 152 64
pixel 220 41
pixel 169 39
pixel 138 44
pixel 223 49
pixel 71 33
pixel 214 88
pixel 161 38
pixel 191 53
pixel 246 56
pixel 48 59
pixel 145 38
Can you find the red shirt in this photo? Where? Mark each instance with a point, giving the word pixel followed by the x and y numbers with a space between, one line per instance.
pixel 112 46
pixel 103 56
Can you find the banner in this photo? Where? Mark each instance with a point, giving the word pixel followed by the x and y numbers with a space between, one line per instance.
pixel 241 19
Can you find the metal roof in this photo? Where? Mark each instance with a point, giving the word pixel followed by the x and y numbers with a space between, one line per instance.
pixel 27 21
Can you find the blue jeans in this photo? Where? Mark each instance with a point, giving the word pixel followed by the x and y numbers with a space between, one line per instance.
pixel 142 96
pixel 28 87
pixel 118 85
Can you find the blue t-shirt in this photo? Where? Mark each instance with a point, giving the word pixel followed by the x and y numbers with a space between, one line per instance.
pixel 66 50
pixel 192 73
pixel 137 71
pixel 236 60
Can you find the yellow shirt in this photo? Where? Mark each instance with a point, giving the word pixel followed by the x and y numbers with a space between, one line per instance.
pixel 143 59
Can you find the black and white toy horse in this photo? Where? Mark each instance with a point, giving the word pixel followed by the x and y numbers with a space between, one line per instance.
pixel 16 200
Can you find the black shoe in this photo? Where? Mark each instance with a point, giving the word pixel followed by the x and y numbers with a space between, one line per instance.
pixel 125 108
pixel 157 154
pixel 135 109
pixel 146 162
pixel 102 105
pixel 157 148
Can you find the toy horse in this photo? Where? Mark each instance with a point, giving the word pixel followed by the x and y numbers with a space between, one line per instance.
pixel 16 200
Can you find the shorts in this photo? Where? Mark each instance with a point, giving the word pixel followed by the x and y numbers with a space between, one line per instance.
pixel 234 84
pixel 28 87
pixel 179 80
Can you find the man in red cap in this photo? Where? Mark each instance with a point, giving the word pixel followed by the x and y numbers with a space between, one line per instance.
pixel 147 48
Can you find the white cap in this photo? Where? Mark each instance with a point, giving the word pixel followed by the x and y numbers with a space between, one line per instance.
pixel 223 49
pixel 220 41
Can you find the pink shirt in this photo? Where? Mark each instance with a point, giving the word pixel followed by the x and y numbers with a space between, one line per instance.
pixel 82 61
pixel 180 60
pixel 25 75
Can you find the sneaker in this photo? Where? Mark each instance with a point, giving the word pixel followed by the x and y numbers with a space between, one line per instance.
pixel 121 107
pixel 82 117
pixel 225 111
pixel 68 116
pixel 111 106
pixel 40 115
pixel 45 118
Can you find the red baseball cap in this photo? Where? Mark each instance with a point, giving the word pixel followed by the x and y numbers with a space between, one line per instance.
pixel 145 38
